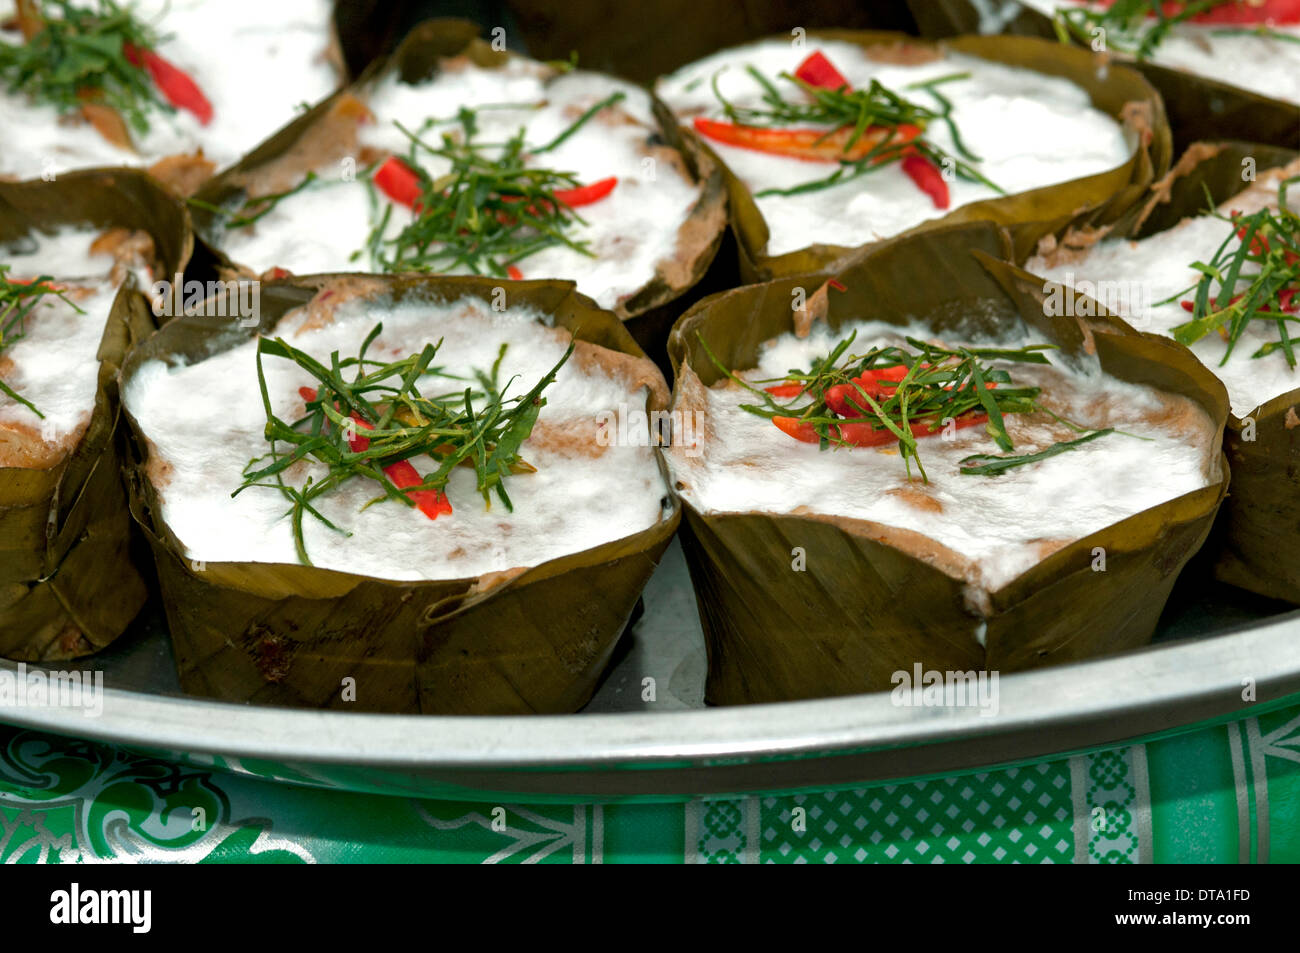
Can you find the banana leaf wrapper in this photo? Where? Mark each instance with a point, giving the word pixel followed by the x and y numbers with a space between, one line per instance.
pixel 69 580
pixel 1257 541
pixel 1094 200
pixel 287 634
pixel 650 311
pixel 1199 107
pixel 863 609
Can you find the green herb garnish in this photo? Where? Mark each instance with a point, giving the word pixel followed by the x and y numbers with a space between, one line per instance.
pixel 857 110
pixel 1262 30
pixel 490 210
pixel 930 386
pixel 1135 27
pixel 17 300
pixel 78 56
pixel 1257 277
pixel 252 210
pixel 476 425
pixel 987 464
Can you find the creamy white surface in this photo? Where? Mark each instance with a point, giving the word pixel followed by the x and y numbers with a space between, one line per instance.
pixel 995 521
pixel 1265 65
pixel 1157 267
pixel 630 231
pixel 1029 129
pixel 255 61
pixel 207 421
pixel 54 363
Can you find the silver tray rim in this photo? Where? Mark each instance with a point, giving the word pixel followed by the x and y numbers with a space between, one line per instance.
pixel 1050 711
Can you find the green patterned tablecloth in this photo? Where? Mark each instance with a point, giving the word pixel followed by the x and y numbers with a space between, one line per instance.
pixel 1221 794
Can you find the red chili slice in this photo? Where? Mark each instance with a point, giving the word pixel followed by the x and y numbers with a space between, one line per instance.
pixel 586 194
pixel 818 71
pixel 789 389
pixel 928 178
pixel 398 181
pixel 174 83
pixel 432 503
pixel 810 145
pixel 863 434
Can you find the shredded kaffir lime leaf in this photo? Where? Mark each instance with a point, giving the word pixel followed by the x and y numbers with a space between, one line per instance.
pixel 493 208
pixel 1136 27
pixel 17 301
pixel 858 110
pixel 476 425
pixel 935 386
pixel 1253 277
pixel 78 56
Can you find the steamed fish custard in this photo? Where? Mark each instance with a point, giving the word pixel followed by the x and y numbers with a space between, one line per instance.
pixel 518 170
pixel 56 292
pixel 411 441
pixel 845 145
pixel 1225 283
pixel 980 457
pixel 1252 44
pixel 182 86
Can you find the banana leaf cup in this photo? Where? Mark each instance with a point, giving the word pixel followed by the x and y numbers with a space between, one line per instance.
pixel 1199 107
pixel 534 639
pixel 1094 200
pixel 312 142
pixel 865 605
pixel 1256 544
pixel 69 579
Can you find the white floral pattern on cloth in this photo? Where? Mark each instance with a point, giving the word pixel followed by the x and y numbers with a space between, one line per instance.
pixel 1220 793
pixel 108 804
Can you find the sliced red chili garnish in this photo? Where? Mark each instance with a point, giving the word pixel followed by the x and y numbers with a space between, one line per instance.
pixel 928 178
pixel 811 145
pixel 432 503
pixel 586 194
pixel 177 87
pixel 819 71
pixel 398 181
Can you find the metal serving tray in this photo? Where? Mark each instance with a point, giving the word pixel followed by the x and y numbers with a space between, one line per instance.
pixel 1211 638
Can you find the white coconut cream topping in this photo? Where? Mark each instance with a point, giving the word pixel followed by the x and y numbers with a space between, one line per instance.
pixel 54 363
pixel 999 527
pixel 629 233
pixel 1264 64
pixel 205 421
pixel 256 62
pixel 1131 278
pixel 1029 129
pixel 53 359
